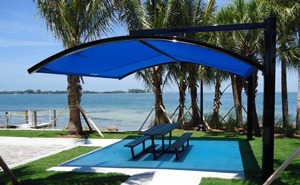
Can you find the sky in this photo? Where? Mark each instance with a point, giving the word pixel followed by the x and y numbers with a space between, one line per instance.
pixel 25 41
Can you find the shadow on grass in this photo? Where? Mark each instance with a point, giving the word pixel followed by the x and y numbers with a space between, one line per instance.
pixel 77 178
pixel 291 175
pixel 251 166
pixel 27 176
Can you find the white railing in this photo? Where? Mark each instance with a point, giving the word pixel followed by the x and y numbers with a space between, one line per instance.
pixel 29 118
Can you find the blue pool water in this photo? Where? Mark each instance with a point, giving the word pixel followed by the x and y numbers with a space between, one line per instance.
pixel 201 155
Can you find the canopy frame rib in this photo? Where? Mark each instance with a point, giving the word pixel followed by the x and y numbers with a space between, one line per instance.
pixel 158 50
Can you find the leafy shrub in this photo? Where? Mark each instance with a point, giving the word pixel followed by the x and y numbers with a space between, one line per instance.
pixel 289 130
pixel 231 123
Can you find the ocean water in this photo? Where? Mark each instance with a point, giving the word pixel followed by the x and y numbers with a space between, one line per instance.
pixel 124 111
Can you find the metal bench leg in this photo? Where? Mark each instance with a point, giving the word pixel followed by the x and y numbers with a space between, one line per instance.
pixel 153 147
pixel 132 152
pixel 163 142
pixel 177 155
pixel 170 138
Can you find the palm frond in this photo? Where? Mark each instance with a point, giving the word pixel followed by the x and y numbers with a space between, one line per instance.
pixel 132 14
pixel 75 22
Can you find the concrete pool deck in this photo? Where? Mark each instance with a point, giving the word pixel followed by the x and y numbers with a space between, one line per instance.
pixel 20 150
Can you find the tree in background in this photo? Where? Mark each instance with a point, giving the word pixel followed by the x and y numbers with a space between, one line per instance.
pixel 188 13
pixel 296 10
pixel 214 76
pixel 76 22
pixel 230 15
pixel 164 14
pixel 177 73
pixel 288 51
pixel 136 15
pixel 247 43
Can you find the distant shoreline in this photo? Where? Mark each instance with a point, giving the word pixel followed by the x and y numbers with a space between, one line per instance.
pixel 130 91
pixel 66 92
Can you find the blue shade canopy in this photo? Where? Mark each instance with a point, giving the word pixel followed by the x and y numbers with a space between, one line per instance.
pixel 121 56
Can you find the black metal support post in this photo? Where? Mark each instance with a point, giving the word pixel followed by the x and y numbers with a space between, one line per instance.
pixel 201 99
pixel 269 98
pixel 201 125
pixel 250 107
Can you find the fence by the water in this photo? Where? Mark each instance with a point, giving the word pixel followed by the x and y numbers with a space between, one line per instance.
pixel 29 119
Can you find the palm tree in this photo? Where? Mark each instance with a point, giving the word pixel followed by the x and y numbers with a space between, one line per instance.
pixel 162 14
pixel 228 15
pixel 189 13
pixel 285 12
pixel 177 73
pixel 75 22
pixel 216 77
pixel 296 13
pixel 295 50
pixel 254 81
pixel 137 15
pixel 152 80
pixel 247 43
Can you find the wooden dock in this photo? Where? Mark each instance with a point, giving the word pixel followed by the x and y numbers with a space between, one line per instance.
pixel 29 119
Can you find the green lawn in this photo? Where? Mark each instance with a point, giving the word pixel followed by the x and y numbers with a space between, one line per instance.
pixel 62 133
pixel 35 172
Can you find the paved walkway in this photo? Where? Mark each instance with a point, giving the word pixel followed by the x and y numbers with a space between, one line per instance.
pixel 19 150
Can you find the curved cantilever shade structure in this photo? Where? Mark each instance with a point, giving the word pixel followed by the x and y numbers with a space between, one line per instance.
pixel 120 56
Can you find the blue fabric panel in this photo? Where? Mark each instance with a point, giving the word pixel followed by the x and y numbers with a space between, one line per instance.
pixel 205 56
pixel 121 58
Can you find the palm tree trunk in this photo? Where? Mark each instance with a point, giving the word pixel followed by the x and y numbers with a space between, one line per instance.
pixel 74 96
pixel 196 116
pixel 298 101
pixel 255 123
pixel 284 95
pixel 256 128
pixel 237 98
pixel 182 89
pixel 157 82
pixel 216 107
pixel 193 88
